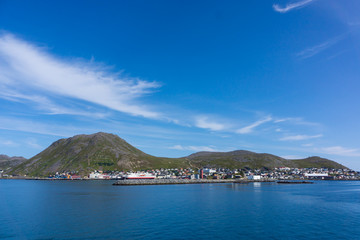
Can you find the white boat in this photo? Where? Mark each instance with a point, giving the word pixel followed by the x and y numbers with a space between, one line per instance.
pixel 139 176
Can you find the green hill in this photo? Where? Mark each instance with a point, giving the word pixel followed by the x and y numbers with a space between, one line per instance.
pixel 104 151
pixel 84 153
pixel 247 159
pixel 317 162
pixel 239 159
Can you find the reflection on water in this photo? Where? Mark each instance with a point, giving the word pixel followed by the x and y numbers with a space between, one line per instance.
pixel 257 184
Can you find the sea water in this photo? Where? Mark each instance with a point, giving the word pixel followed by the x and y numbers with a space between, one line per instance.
pixel 97 210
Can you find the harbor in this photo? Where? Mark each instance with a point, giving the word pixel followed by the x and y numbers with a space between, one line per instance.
pixel 127 182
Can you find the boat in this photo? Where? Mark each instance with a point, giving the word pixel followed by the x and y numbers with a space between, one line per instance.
pixel 139 176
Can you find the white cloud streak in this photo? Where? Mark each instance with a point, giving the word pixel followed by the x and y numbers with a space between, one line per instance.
pixel 292 157
pixel 204 122
pixel 299 137
pixel 25 66
pixel 312 51
pixel 291 6
pixel 194 148
pixel 45 104
pixel 307 145
pixel 250 128
pixel 30 126
pixel 296 120
pixel 284 120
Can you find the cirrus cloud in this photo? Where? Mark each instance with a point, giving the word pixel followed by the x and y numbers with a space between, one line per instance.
pixel 250 128
pixel 204 122
pixel 27 67
pixel 300 137
pixel 291 6
pixel 194 148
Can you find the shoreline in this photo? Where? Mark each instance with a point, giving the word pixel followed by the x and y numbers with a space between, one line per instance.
pixel 135 182
pixel 179 181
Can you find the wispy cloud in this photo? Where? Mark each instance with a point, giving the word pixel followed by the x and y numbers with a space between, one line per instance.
pixel 341 151
pixel 204 122
pixel 194 148
pixel 300 137
pixel 250 128
pixel 23 125
pixel 26 67
pixel 296 120
pixel 291 6
pixel 284 120
pixel 44 104
pixel 312 51
pixel 291 157
pixel 122 128
pixel 307 145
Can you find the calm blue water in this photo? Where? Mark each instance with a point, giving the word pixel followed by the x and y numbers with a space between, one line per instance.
pixel 98 210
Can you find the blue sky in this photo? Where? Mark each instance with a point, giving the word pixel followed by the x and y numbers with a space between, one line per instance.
pixel 177 77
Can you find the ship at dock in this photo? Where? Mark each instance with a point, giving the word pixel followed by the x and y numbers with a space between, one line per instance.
pixel 139 176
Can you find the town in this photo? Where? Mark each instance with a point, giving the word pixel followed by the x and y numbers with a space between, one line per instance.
pixel 281 173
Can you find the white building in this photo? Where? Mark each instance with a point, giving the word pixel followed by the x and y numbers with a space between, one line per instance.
pixel 254 177
pixel 316 174
pixel 208 171
pixel 96 175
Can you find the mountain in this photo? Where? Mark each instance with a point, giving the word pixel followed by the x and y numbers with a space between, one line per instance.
pixel 317 162
pixel 247 159
pixel 239 159
pixel 7 162
pixel 104 151
pixel 85 153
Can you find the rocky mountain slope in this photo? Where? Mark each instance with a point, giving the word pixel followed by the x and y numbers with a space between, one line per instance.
pixel 7 162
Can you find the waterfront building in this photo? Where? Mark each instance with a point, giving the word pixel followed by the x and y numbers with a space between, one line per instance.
pixel 254 177
pixel 323 176
pixel 209 171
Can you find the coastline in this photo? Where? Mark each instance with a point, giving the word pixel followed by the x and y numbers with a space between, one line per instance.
pixel 179 181
pixel 137 182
